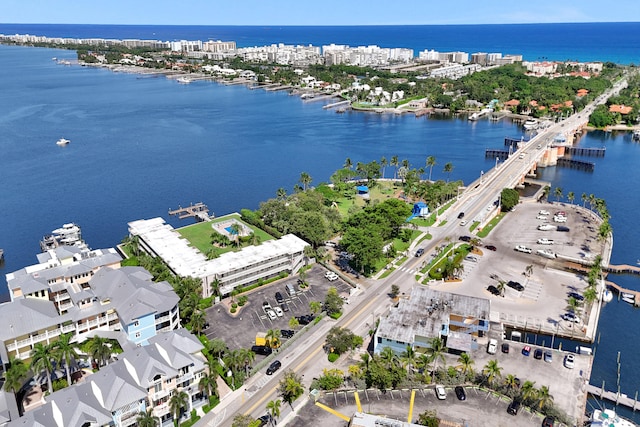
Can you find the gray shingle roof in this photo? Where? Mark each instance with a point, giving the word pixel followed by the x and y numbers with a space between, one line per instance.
pixel 24 316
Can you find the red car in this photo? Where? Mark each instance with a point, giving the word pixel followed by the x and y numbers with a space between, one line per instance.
pixel 526 350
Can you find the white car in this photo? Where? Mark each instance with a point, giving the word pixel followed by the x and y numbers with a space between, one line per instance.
pixel 441 394
pixel 521 248
pixel 569 361
pixel 559 219
pixel 332 277
pixel 463 222
pixel 545 227
pixel 541 217
pixel 546 253
pixel 272 315
pixel 543 212
pixel 492 347
pixel 278 311
pixel 545 241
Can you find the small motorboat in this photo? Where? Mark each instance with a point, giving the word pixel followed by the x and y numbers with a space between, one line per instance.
pixel 607 296
pixel 627 297
pixel 62 141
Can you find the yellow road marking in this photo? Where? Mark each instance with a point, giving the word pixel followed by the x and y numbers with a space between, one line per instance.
pixel 333 411
pixel 413 396
pixel 358 401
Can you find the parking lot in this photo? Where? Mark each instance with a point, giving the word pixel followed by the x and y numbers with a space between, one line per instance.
pixel 480 408
pixel 239 330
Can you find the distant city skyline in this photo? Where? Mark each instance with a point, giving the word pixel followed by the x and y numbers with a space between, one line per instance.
pixel 329 12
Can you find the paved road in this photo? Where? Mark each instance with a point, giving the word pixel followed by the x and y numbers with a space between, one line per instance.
pixel 307 358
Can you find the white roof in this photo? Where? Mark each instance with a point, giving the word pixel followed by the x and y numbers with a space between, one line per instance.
pixel 186 260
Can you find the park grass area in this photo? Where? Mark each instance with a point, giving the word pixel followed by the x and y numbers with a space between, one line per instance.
pixel 474 225
pixel 380 191
pixel 199 234
pixel 487 229
pixel 424 222
pixel 387 273
pixel 458 254
pixel 446 206
pixel 401 247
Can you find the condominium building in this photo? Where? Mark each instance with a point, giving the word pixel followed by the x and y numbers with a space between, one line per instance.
pixel 83 293
pixel 231 269
pixel 458 319
pixel 142 378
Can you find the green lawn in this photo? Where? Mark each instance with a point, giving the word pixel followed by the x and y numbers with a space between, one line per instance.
pixel 381 191
pixel 199 234
pixel 487 229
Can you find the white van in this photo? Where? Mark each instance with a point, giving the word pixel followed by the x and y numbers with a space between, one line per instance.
pixel 492 347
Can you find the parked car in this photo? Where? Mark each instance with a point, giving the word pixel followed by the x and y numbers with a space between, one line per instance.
pixel 279 297
pixel 492 347
pixel 522 248
pixel 543 212
pixel 284 306
pixel 505 347
pixel 272 314
pixel 569 361
pixel 514 407
pixel 545 241
pixel 266 306
pixel 491 247
pixel 548 421
pixel 460 394
pixel 306 319
pixel 493 290
pixel 526 350
pixel 515 285
pixel 264 420
pixel 541 217
pixel 262 350
pixel 464 238
pixel 441 394
pixel 548 356
pixel 563 228
pixel 275 365
pixel 471 258
pixel 286 333
pixel 419 252
pixel 278 311
pixel 571 317
pixel 537 354
pixel 576 296
pixel 545 227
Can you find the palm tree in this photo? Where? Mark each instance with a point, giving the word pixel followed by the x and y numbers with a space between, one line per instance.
pixel 388 357
pixel 15 375
pixel 315 307
pixel 431 162
pixel 590 295
pixel 234 230
pixel 384 163
pixel 511 382
pixel 294 323
pixel 544 398
pixel 348 164
pixel 528 391
pixel 409 357
pixel 492 370
pixel 500 287
pixel 208 383
pixel 604 230
pixel 146 419
pixel 436 350
pixel 273 409
pixel 448 168
pixel 99 350
pixel 394 162
pixel 64 351
pixel 42 361
pixel 528 271
pixel 584 199
pixel 573 305
pixel 290 387
pixel 466 364
pixel 177 404
pixel 305 180
pixel 571 196
pixel 281 193
pixel 273 338
pixel 198 320
pixel 592 201
pixel 557 193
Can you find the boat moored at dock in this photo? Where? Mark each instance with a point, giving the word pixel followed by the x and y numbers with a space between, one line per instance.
pixel 67 235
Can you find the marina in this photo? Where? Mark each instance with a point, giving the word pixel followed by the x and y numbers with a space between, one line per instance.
pixel 67 235
pixel 199 211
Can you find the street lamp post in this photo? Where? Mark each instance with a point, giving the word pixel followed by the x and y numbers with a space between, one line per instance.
pixel 497 158
pixel 481 177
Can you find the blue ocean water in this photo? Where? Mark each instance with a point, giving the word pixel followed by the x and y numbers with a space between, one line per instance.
pixel 141 145
pixel 615 42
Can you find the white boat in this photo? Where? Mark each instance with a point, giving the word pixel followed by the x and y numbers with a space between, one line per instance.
pixel 67 235
pixel 627 297
pixel 62 141
pixel 530 124
pixel 609 418
pixel 607 296
pixel 183 80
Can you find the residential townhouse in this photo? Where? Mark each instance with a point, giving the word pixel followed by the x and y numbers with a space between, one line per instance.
pixel 83 293
pixel 143 378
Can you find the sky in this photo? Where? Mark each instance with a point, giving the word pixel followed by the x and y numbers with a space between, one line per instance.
pixel 325 12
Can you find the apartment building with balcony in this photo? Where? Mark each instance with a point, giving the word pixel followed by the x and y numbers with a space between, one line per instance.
pixel 142 378
pixel 231 269
pixel 122 300
pixel 458 319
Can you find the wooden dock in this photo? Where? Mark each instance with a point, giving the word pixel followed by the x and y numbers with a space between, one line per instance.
pixel 622 269
pixel 621 290
pixel 199 211
pixel 617 398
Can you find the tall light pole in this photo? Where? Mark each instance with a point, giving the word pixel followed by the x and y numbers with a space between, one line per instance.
pixel 497 158
pixel 481 177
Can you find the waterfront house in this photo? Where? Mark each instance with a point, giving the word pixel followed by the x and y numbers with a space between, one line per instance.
pixel 142 377
pixel 458 319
